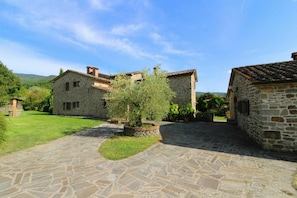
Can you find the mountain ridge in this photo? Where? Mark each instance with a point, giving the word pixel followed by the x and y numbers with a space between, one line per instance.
pixel 33 77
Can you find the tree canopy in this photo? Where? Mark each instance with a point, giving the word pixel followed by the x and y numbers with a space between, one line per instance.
pixel 9 84
pixel 135 101
pixel 212 102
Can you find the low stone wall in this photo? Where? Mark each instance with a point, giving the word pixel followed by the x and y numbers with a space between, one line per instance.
pixel 142 131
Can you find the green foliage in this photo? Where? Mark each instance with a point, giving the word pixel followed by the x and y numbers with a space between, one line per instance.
pixel 213 103
pixel 137 101
pixel 36 92
pixel 121 147
pixel 186 111
pixel 9 85
pixel 33 128
pixel 173 111
pixel 34 78
pixel 61 71
pixel 3 128
pixel 36 98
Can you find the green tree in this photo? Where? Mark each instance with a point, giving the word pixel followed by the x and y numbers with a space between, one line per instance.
pixel 61 71
pixel 213 103
pixel 9 84
pixel 36 98
pixel 137 101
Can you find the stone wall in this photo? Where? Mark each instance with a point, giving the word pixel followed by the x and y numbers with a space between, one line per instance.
pixel 272 118
pixel 90 99
pixel 142 131
pixel 185 88
pixel 279 116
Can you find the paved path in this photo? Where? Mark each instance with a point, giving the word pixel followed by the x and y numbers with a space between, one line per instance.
pixel 192 160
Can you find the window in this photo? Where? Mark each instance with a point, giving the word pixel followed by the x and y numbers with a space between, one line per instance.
pixel 67 86
pixel 75 105
pixel 66 105
pixel 76 83
pixel 244 107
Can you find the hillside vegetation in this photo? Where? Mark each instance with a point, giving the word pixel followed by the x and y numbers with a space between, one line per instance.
pixel 222 94
pixel 33 77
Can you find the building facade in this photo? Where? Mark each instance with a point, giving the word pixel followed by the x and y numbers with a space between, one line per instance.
pixel 263 103
pixel 82 94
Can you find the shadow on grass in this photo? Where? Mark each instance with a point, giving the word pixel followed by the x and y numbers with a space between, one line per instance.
pixel 217 136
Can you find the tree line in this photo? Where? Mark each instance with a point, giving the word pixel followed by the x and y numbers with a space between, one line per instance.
pixel 36 95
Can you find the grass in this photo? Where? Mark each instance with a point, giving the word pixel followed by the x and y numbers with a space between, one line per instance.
pixel 121 147
pixel 220 118
pixel 34 128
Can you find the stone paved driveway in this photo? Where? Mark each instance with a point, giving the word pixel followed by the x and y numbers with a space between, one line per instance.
pixel 192 160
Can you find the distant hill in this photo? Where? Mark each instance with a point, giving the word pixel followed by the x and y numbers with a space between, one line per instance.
pixel 223 94
pixel 33 77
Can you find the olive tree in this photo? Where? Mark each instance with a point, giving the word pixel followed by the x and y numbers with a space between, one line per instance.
pixel 136 101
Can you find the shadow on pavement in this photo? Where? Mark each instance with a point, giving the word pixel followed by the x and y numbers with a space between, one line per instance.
pixel 217 136
pixel 100 132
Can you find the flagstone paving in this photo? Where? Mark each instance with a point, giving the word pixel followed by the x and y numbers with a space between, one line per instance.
pixel 192 160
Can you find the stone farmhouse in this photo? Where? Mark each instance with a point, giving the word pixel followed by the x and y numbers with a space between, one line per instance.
pixel 82 94
pixel 263 103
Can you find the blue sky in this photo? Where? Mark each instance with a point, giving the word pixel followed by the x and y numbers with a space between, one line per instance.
pixel 211 36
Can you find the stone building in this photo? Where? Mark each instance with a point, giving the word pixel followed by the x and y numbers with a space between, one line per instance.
pixel 82 94
pixel 263 103
pixel 183 83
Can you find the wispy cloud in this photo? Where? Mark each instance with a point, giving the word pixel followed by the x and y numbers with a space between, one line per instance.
pixel 168 46
pixel 24 59
pixel 78 29
pixel 126 29
pixel 102 4
pixel 242 6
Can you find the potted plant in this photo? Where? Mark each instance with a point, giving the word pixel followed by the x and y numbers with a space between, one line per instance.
pixel 173 112
pixel 137 101
pixel 186 112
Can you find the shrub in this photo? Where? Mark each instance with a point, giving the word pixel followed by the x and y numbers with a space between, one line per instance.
pixel 3 128
pixel 173 112
pixel 187 111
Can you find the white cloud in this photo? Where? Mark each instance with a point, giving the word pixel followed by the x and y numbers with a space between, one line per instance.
pixel 126 29
pixel 103 4
pixel 168 46
pixel 23 59
pixel 62 24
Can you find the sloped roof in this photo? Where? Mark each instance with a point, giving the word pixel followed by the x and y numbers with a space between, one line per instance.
pixel 278 72
pixel 100 78
pixel 184 72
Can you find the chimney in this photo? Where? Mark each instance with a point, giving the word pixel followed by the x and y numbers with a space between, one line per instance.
pixel 294 55
pixel 94 71
pixel 89 70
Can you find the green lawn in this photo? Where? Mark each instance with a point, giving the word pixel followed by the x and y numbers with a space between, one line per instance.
pixel 121 147
pixel 220 118
pixel 33 128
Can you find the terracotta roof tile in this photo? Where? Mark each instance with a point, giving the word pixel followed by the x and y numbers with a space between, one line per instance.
pixel 190 71
pixel 271 72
